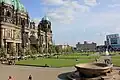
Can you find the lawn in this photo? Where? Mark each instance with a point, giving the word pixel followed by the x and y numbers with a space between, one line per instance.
pixel 65 60
pixel 76 56
pixel 53 62
pixel 62 61
pixel 116 60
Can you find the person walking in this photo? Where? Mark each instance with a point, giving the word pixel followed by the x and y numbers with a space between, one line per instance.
pixel 30 77
pixel 10 78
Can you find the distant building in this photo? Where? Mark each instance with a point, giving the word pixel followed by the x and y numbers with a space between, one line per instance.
pixel 112 43
pixel 86 46
pixel 62 46
pixel 112 39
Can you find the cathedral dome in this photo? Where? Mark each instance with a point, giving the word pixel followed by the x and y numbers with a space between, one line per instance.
pixel 16 3
pixel 6 1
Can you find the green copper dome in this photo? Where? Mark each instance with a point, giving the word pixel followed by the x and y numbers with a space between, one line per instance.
pixel 16 3
pixel 45 18
pixel 6 1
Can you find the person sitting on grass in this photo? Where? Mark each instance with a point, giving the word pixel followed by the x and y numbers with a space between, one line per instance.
pixel 96 59
pixel 76 60
pixel 46 65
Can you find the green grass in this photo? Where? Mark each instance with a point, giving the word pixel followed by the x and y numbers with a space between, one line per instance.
pixel 65 60
pixel 115 57
pixel 53 62
pixel 75 56
pixel 116 60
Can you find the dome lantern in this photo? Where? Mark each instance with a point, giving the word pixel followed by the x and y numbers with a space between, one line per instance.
pixel 45 18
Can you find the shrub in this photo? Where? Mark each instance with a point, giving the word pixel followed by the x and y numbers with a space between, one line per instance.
pixel 2 52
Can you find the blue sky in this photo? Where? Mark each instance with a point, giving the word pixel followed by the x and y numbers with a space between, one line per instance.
pixel 77 20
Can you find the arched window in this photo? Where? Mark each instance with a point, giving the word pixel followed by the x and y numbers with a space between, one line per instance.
pixel 49 26
pixel 22 22
pixel 30 25
pixel 8 14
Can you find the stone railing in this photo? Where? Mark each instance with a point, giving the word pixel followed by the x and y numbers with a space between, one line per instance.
pixel 6 19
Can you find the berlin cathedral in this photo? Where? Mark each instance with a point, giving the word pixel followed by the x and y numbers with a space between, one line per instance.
pixel 17 30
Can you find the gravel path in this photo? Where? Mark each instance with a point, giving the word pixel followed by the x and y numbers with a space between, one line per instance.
pixel 22 72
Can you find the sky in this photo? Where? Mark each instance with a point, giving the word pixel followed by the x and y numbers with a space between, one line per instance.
pixel 77 20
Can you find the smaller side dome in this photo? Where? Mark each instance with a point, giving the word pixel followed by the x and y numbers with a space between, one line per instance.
pixel 45 18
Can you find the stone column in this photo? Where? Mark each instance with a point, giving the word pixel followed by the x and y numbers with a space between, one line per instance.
pixel 20 49
pixel 5 45
pixel 1 37
pixel 17 48
pixel 14 48
pixel 29 40
pixel 46 42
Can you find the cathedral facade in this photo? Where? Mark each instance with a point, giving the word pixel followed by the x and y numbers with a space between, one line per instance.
pixel 18 31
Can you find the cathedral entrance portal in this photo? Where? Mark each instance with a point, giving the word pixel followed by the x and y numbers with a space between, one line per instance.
pixel 11 48
pixel 9 45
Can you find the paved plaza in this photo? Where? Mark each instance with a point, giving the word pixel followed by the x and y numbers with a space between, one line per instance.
pixel 38 73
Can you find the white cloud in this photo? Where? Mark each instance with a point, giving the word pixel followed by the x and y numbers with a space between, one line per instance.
pixel 53 2
pixel 62 14
pixel 68 10
pixel 102 24
pixel 104 19
pixel 93 24
pixel 90 2
pixel 115 1
pixel 114 5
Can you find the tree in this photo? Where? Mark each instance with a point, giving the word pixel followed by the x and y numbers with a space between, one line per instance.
pixel 34 51
pixel 20 51
pixel 2 52
pixel 28 52
pixel 51 49
pixel 58 49
pixel 11 51
pixel 69 49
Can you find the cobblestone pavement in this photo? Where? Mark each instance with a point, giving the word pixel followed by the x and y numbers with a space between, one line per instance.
pixel 22 72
